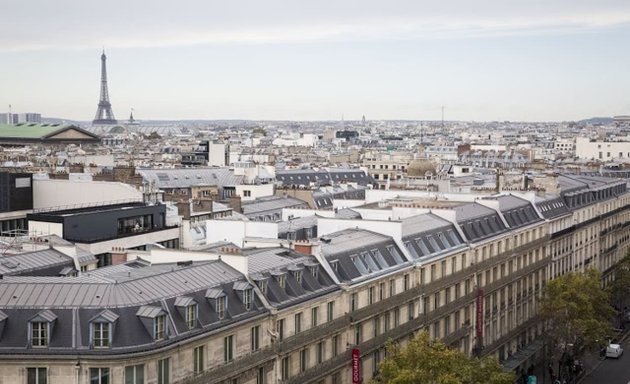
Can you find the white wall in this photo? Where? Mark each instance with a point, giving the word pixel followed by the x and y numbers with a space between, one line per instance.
pixel 586 149
pixel 44 228
pixel 341 203
pixel 256 191
pixel 389 228
pixel 234 231
pixel 375 195
pixel 163 256
pixel 132 241
pixel 216 155
pixel 67 193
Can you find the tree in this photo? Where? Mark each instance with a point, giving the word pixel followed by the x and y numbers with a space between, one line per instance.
pixel 577 312
pixel 620 286
pixel 428 361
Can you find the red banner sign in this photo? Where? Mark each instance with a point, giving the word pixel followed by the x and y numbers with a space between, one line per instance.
pixel 479 321
pixel 356 366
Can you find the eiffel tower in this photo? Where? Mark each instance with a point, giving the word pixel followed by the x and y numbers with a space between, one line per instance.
pixel 104 114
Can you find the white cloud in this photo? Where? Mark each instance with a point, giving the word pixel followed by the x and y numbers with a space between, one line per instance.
pixel 71 24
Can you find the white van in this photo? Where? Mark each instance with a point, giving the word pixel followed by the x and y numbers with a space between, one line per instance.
pixel 614 350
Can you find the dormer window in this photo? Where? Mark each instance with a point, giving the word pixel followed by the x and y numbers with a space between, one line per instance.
pixel 100 335
pixel 39 333
pixel 102 329
pixel 159 327
pixel 187 308
pixel 154 320
pixel 282 281
pixel 40 328
pixel 191 316
pixel 298 276
pixel 314 269
pixel 221 304
pixel 218 300
pixel 262 285
pixel 248 295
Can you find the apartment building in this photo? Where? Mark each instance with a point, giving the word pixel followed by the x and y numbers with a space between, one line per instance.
pixel 467 271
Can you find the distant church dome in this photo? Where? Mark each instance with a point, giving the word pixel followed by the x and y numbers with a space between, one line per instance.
pixel 421 168
pixel 118 129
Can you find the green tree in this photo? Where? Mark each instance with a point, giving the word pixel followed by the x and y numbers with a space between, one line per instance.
pixel 428 361
pixel 577 311
pixel 620 286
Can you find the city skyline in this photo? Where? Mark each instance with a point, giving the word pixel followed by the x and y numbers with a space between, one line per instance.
pixel 281 61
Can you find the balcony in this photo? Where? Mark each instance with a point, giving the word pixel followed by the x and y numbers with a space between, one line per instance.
pixel 233 368
pixel 510 335
pixel 310 335
pixel 321 370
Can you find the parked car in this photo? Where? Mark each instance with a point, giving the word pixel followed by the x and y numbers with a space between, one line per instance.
pixel 614 350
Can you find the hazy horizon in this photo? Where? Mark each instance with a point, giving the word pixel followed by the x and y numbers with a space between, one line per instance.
pixel 316 61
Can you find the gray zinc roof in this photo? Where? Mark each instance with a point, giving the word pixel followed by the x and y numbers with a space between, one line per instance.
pixel 99 291
pixel 187 177
pixel 32 261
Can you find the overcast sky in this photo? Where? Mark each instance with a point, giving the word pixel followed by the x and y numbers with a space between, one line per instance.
pixel 318 60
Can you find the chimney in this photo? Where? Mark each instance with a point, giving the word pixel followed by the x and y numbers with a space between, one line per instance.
pixel 202 205
pixel 183 209
pixel 119 255
pixel 235 204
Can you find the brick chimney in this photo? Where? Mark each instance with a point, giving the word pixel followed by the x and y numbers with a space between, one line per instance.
pixel 119 255
pixel 183 209
pixel 235 204
pixel 202 205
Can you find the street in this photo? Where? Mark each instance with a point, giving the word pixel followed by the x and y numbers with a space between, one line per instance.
pixel 611 371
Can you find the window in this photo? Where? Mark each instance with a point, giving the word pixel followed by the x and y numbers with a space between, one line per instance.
pixel 381 291
pixel 331 311
pixel 198 359
pixel 314 316
pixel 164 371
pixel 260 376
pixel 39 333
pixel 134 374
pixel 371 295
pixel 228 348
pixel 191 316
pixel 100 334
pixel 376 326
pixel 353 302
pixel 36 375
pixel 262 285
pixel 411 309
pixel 255 338
pixel 298 323
pixel 247 193
pixel 220 306
pixel 358 334
pixel 284 368
pixel 335 345
pixel 280 328
pixel 99 375
pixel 320 352
pixel 298 276
pixel 303 360
pixel 392 287
pixel 247 298
pixel 406 282
pixel 159 327
pixel 282 279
